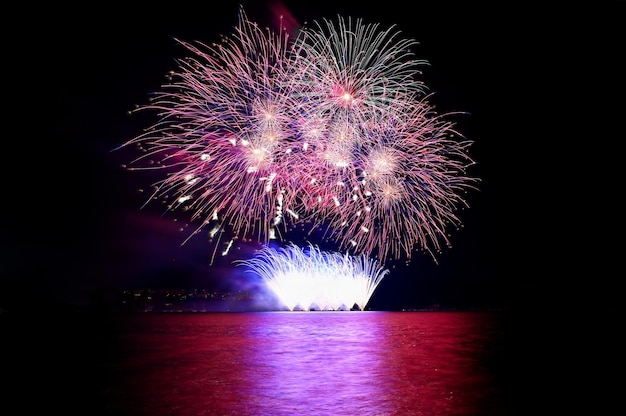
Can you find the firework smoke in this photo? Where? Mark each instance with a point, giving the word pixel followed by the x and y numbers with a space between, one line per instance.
pixel 260 133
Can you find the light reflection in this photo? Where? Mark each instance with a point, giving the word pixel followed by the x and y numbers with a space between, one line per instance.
pixel 322 361
pixel 304 362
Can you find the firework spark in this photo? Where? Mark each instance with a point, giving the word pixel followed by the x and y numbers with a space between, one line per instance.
pixel 308 279
pixel 261 133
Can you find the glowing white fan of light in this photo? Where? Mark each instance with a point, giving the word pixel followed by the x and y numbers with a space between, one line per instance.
pixel 309 279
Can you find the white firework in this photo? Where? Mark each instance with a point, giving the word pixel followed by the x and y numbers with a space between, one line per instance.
pixel 310 279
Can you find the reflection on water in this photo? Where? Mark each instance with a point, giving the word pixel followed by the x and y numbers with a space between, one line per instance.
pixel 290 363
pixel 324 362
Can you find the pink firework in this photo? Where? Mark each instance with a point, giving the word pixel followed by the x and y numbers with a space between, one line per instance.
pixel 404 188
pixel 259 134
pixel 224 136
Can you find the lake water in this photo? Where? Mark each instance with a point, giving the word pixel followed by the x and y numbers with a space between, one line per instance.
pixel 273 363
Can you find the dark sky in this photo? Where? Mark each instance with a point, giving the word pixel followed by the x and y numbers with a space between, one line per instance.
pixel 75 230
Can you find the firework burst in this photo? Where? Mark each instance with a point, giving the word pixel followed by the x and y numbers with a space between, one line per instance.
pixel 356 71
pixel 222 134
pixel 404 188
pixel 261 133
pixel 306 279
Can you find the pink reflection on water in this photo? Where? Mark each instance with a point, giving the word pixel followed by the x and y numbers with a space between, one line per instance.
pixel 322 361
pixel 286 363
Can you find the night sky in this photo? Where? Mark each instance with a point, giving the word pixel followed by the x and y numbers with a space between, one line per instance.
pixel 75 232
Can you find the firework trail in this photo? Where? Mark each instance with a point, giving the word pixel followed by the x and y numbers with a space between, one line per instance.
pixel 260 133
